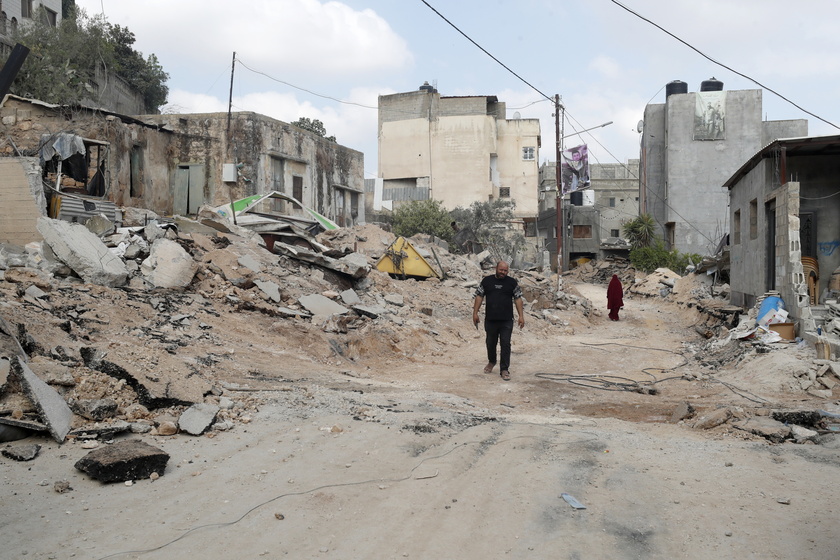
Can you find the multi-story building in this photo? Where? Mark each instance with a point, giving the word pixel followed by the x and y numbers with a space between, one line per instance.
pixel 457 150
pixel 691 145
pixel 18 12
pixel 594 217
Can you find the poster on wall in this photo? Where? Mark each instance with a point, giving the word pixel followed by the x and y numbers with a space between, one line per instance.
pixel 574 169
pixel 710 115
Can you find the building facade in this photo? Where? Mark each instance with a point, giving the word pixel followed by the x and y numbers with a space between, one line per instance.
pixel 784 211
pixel 691 145
pixel 174 164
pixel 457 150
pixel 19 12
pixel 594 218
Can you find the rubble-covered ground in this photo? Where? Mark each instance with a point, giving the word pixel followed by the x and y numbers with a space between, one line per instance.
pixel 374 433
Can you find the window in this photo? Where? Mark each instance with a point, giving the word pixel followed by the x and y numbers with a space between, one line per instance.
pixel 504 192
pixel 736 228
pixel 754 219
pixel 615 233
pixel 26 8
pixel 612 202
pixel 136 172
pixel 582 232
pixel 297 188
pixel 528 153
pixel 50 17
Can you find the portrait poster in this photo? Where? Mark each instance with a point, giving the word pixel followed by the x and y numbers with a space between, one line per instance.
pixel 710 115
pixel 574 169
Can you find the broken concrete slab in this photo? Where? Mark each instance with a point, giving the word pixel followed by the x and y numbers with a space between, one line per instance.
pixel 354 265
pixel 50 405
pixel 99 225
pixel 764 426
pixel 320 305
pixel 395 299
pixel 801 434
pixel 713 419
pixel 198 418
pixel 22 452
pixel 95 409
pixel 287 312
pixel 250 263
pixel 103 431
pixel 168 265
pixel 684 410
pixel 372 311
pixel 125 460
pixel 270 289
pixel 350 297
pixel 83 252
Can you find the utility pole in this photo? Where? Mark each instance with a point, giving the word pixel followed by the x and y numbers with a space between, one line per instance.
pixel 562 258
pixel 230 97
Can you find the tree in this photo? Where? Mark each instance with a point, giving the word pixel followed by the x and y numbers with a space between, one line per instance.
pixel 422 216
pixel 640 231
pixel 489 223
pixel 63 60
pixel 314 126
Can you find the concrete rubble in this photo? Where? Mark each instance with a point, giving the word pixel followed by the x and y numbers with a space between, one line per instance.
pixel 126 460
pixel 173 280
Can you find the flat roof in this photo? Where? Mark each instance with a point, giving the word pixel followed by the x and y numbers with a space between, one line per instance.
pixel 799 146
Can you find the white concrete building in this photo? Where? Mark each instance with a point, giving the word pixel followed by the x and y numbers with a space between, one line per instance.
pixel 457 150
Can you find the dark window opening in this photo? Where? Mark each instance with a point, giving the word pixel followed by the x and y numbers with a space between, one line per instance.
pixel 136 172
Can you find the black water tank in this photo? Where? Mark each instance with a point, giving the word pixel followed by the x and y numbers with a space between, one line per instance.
pixel 675 87
pixel 427 88
pixel 576 197
pixel 711 85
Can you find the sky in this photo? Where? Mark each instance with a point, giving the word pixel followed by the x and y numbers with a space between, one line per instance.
pixel 330 60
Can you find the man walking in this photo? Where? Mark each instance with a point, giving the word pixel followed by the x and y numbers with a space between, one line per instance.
pixel 501 292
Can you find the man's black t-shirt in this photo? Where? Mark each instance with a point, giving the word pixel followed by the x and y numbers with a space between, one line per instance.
pixel 499 294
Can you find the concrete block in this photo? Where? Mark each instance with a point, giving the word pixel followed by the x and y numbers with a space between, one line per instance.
pixel 168 265
pixel 83 252
pixel 198 418
pixel 22 452
pixel 126 460
pixel 320 305
pixel 350 297
pixel 50 405
pixel 270 289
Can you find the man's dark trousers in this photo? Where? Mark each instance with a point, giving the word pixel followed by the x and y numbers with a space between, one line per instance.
pixel 499 331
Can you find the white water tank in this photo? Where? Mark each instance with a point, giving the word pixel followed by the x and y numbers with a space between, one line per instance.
pixel 588 197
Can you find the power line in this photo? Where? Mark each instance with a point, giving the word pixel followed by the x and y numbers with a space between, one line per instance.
pixel 710 59
pixel 455 27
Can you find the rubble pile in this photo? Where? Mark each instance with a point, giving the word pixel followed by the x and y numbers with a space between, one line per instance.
pixel 140 329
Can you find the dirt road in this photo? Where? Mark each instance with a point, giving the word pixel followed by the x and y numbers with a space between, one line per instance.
pixel 431 458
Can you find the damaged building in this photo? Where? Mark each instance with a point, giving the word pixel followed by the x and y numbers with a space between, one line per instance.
pixel 93 161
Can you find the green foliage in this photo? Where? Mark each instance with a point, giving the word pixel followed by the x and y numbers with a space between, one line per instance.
pixel 640 231
pixel 62 62
pixel 422 216
pixel 656 256
pixel 315 126
pixel 489 223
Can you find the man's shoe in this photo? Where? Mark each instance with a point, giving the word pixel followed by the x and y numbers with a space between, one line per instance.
pixel 489 368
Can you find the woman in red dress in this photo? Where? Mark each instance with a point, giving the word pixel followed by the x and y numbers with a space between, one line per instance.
pixel 615 295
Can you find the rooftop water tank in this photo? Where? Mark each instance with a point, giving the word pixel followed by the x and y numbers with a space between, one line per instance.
pixel 676 86
pixel 427 88
pixel 711 84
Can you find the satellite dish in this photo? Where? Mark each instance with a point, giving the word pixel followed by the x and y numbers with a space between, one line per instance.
pixel 640 127
pixel 517 116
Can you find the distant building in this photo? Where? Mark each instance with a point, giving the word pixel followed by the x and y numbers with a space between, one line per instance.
pixel 457 150
pixel 15 13
pixel 594 217
pixel 691 145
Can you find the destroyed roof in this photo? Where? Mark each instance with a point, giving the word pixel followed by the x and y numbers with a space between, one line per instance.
pixel 238 210
pixel 125 118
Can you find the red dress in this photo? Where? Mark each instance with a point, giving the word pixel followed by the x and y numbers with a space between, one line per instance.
pixel 615 295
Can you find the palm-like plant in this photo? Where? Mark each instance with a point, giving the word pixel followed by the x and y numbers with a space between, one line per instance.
pixel 640 231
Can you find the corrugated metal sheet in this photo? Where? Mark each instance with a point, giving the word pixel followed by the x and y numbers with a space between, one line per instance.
pixel 405 194
pixel 79 209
